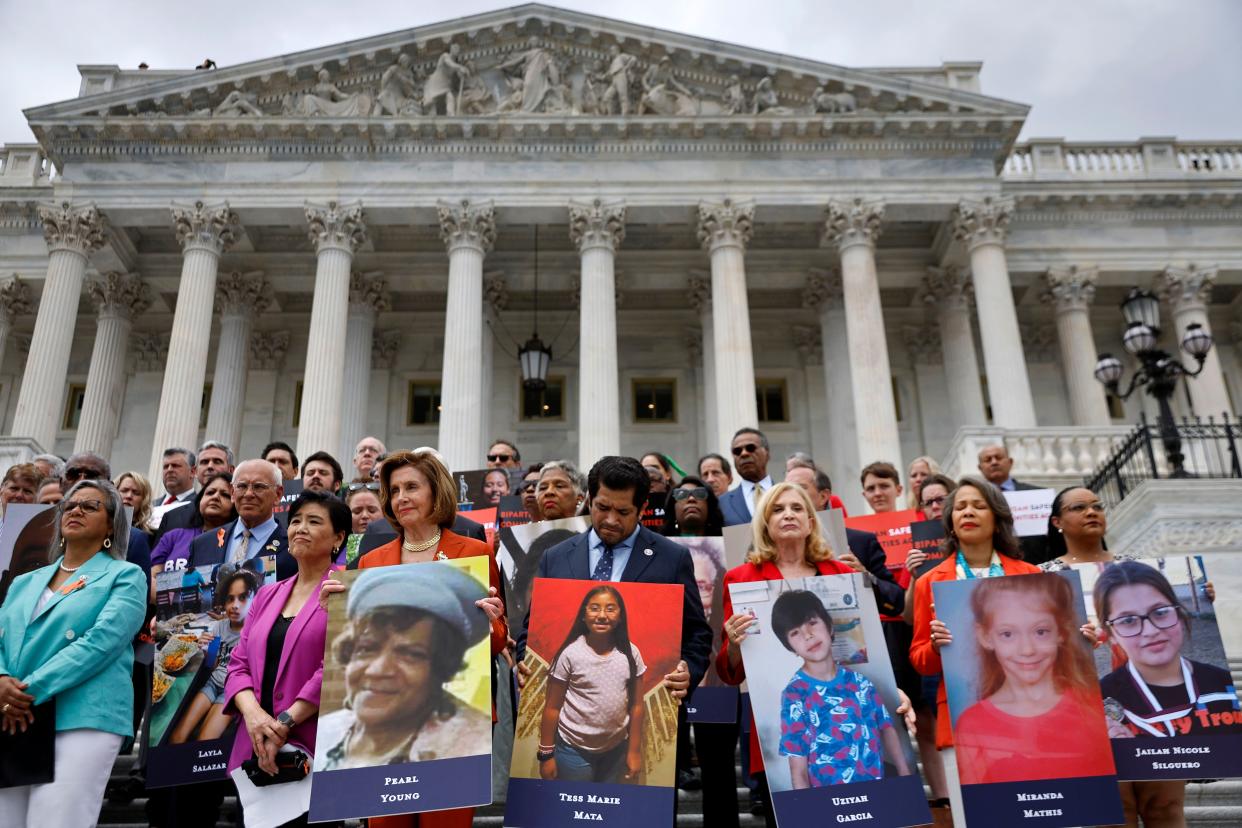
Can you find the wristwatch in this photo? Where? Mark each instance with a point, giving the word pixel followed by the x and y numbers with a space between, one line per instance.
pixel 285 719
pixel 544 755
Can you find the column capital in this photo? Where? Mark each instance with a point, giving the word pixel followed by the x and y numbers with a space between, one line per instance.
pixel 336 226
pixel 823 291
pixel 243 294
pixel 14 299
pixel 725 224
pixel 852 222
pixel 1070 287
pixel 368 293
pixel 948 287
pixel 384 348
pixel 210 227
pixel 268 349
pixel 1186 288
pixel 496 290
pixel 149 350
pixel 808 341
pixel 923 344
pixel 978 222
pixel 700 290
pixel 78 228
pixel 464 224
pixel 123 295
pixel 596 225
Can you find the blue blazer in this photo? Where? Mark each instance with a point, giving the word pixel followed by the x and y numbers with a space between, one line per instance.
pixel 206 550
pixel 733 504
pixel 669 563
pixel 78 649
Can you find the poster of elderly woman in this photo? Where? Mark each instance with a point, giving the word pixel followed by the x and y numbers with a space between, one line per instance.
pixel 405 720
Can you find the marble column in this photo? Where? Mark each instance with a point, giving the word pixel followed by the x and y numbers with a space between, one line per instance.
pixel 495 300
pixel 1187 291
pixel 597 230
pixel 336 231
pixel 14 302
pixel 1071 290
pixel 823 294
pixel 982 227
pixel 368 297
pixel 117 298
pixel 950 291
pixel 469 233
pixel 853 227
pixel 205 232
pixel 260 424
pixel 724 230
pixel 239 297
pixel 72 233
pixel 701 301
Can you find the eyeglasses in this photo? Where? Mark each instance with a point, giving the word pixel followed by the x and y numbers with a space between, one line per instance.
pixel 373 486
pixel 1128 626
pixel 257 488
pixel 698 493
pixel 749 448
pixel 529 485
pixel 82 473
pixel 87 507
pixel 499 458
pixel 935 501
pixel 1079 508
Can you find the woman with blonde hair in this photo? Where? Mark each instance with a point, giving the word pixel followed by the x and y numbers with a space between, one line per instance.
pixel 920 469
pixel 135 492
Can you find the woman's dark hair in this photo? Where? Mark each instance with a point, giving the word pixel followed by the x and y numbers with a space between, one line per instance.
pixel 794 608
pixel 447 657
pixel 1056 541
pixel 937 479
pixel 714 527
pixel 338 512
pixel 1004 538
pixel 619 474
pixel 620 634
pixel 223 585
pixel 1133 573
pixel 663 461
pixel 196 519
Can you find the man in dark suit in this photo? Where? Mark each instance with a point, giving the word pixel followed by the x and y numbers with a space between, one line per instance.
pixel 618 548
pixel 257 486
pixel 995 465
pixel 750 455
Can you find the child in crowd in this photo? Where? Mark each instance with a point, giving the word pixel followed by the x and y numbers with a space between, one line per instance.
pixel 593 712
pixel 833 722
pixel 1037 686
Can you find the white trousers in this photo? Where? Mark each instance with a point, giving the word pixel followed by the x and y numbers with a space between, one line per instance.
pixel 84 760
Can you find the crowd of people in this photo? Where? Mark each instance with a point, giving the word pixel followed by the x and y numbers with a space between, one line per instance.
pixel 72 657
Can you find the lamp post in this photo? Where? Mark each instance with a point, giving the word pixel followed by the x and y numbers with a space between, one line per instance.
pixel 1159 370
pixel 534 357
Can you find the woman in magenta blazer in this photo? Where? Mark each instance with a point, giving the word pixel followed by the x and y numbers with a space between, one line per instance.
pixel 276 670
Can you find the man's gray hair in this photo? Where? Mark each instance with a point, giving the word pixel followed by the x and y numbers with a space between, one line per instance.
pixel 577 478
pixel 117 516
pixel 278 479
pixel 190 459
pixel 800 460
pixel 58 465
pixel 216 444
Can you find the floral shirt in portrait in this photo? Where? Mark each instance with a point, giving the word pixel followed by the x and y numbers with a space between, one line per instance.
pixel 836 725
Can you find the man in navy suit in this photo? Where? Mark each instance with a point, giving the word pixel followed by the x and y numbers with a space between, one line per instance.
pixel 750 455
pixel 618 548
pixel 257 486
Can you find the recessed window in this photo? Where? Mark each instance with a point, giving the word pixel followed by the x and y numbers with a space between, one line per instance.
pixel 987 397
pixel 655 400
pixel 73 406
pixel 896 399
pixel 422 403
pixel 205 407
pixel 772 400
pixel 548 404
pixel 297 403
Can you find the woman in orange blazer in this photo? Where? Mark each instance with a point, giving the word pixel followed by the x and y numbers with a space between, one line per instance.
pixel 980 542
pixel 417 498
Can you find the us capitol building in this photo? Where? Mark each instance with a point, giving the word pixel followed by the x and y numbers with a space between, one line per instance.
pixel 359 239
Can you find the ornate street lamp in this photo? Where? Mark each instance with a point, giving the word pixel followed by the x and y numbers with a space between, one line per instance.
pixel 1159 370
pixel 534 356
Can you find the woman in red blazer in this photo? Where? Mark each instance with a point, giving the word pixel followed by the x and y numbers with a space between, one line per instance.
pixel 417 498
pixel 980 542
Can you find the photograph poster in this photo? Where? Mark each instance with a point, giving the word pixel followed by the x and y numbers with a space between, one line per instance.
pixel 712 700
pixel 199 614
pixel 927 536
pixel 483 488
pixel 521 549
pixel 1029 731
pixel 24 540
pixel 596 707
pixel 1031 508
pixel 405 721
pixel 825 701
pixel 1169 698
pixel 892 530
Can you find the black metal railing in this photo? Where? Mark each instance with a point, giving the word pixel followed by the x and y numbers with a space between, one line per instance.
pixel 1208 449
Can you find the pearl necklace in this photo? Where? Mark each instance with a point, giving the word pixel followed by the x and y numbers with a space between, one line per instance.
pixel 64 568
pixel 423 546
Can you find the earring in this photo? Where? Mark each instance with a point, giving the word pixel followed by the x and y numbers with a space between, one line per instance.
pixel 1060 531
pixel 107 543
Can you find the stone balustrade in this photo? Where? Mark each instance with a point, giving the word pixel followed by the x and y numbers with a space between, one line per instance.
pixel 1055 456
pixel 25 165
pixel 1147 158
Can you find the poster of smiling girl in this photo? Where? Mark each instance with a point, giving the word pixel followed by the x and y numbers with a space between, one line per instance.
pixel 596 732
pixel 1171 706
pixel 405 721
pixel 1028 721
pixel 825 703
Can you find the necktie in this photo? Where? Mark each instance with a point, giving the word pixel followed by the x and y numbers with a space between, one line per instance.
pixel 240 553
pixel 758 497
pixel 170 499
pixel 603 569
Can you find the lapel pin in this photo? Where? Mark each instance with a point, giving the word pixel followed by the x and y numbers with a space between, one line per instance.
pixel 648 552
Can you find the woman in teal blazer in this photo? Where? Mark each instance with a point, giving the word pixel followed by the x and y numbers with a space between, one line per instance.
pixel 66 633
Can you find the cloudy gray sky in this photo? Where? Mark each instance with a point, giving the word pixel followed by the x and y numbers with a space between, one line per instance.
pixel 1091 69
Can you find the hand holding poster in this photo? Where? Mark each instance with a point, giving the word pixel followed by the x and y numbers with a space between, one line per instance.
pixel 825 701
pixel 1028 720
pixel 597 727
pixel 404 718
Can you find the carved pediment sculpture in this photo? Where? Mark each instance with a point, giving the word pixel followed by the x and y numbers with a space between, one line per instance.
pixel 325 98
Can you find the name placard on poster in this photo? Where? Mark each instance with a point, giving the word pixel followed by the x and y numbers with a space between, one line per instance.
pixel 1031 508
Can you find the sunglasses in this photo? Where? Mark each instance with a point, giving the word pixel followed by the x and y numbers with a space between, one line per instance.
pixel 499 458
pixel 81 473
pixel 373 486
pixel 748 448
pixel 698 493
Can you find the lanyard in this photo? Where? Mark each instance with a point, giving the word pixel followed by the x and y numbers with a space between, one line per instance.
pixel 964 573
